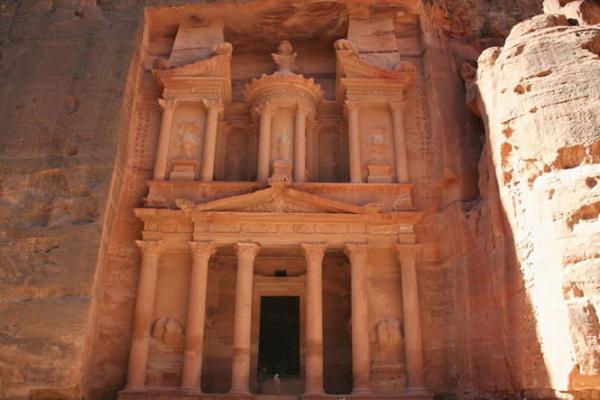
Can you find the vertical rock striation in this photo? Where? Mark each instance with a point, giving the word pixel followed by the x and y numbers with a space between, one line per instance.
pixel 539 99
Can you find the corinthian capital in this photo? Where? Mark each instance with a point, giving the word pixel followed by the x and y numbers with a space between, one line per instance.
pixel 314 252
pixel 246 249
pixel 150 247
pixel 264 108
pixel 213 105
pixel 397 106
pixel 355 250
pixel 167 104
pixel 350 105
pixel 202 250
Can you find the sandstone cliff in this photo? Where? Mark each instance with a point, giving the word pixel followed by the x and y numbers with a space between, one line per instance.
pixel 539 96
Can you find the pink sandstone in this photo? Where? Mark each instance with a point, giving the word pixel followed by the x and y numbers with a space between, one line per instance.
pixel 168 166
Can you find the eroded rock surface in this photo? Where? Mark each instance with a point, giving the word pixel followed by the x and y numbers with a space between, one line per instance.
pixel 539 97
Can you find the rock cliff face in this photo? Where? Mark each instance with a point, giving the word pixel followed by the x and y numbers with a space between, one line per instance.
pixel 513 283
pixel 539 96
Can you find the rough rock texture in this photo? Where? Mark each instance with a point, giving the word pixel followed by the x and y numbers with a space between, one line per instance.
pixel 63 102
pixel 539 96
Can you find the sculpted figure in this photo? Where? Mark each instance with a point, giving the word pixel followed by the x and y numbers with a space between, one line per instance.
pixel 285 58
pixel 347 46
pixel 389 340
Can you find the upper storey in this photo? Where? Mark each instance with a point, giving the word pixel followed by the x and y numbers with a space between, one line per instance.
pixel 289 122
pixel 284 123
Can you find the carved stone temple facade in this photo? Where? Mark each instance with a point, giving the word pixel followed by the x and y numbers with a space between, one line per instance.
pixel 297 192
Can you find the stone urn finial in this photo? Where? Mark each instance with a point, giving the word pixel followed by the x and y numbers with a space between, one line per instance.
pixel 285 58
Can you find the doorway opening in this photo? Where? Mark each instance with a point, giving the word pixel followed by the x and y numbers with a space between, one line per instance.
pixel 279 338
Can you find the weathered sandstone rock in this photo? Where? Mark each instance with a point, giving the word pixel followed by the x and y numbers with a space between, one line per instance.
pixel 539 98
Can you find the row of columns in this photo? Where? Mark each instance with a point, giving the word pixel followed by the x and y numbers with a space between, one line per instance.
pixel 213 109
pixel 246 253
pixel 353 112
pixel 266 111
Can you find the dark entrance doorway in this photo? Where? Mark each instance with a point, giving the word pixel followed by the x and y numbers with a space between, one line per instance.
pixel 279 340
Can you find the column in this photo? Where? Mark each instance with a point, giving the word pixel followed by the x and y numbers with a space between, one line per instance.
pixel 399 142
pixel 314 253
pixel 242 323
pixel 300 144
pixel 264 142
pixel 162 153
pixel 213 107
pixel 408 255
pixel 361 365
pixel 144 309
pixel 353 110
pixel 194 337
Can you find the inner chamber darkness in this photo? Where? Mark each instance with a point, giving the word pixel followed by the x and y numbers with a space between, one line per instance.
pixel 279 342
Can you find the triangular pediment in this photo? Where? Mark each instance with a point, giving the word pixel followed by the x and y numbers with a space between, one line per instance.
pixel 279 200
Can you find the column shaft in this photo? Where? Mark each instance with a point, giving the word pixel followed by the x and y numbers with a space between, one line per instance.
pixel 164 140
pixel 144 309
pixel 361 365
pixel 264 143
pixel 314 253
pixel 412 319
pixel 354 142
pixel 210 140
pixel 242 323
pixel 194 338
pixel 300 145
pixel 399 143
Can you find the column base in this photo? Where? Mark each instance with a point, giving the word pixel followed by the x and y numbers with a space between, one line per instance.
pixel 177 393
pixel 371 396
pixel 190 390
pixel 314 393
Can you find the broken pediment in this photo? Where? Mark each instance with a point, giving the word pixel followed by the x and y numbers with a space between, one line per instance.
pixel 350 64
pixel 217 66
pixel 356 74
pixel 279 199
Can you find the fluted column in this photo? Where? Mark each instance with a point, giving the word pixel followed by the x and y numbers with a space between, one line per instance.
pixel 214 107
pixel 144 309
pixel 162 153
pixel 361 365
pixel 242 323
pixel 264 142
pixel 300 144
pixel 194 338
pixel 408 255
pixel 399 142
pixel 314 253
pixel 353 110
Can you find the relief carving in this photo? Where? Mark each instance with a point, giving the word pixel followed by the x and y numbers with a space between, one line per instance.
pixel 168 332
pixel 390 342
pixel 285 58
pixel 187 140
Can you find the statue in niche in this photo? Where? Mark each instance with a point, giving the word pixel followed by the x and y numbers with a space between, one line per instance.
pixel 237 156
pixel 389 341
pixel 168 332
pixel 284 145
pixel 285 58
pixel 329 156
pixel 377 144
pixel 187 140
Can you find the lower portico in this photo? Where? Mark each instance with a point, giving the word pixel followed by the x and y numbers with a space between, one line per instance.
pixel 274 223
